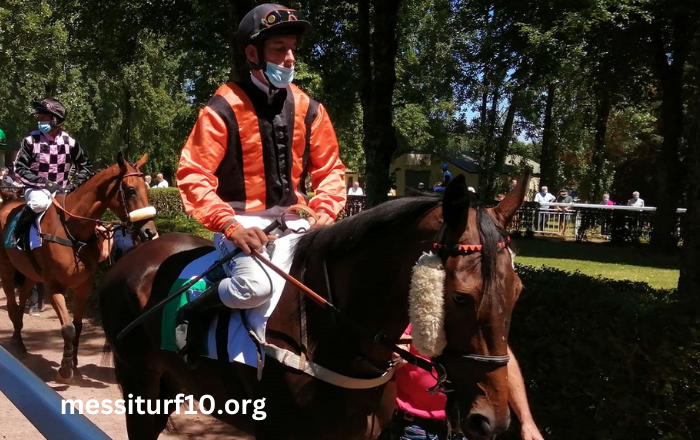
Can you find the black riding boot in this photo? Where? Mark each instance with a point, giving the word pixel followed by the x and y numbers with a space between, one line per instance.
pixel 191 322
pixel 24 223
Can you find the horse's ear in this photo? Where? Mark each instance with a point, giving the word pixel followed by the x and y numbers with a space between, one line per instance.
pixel 122 162
pixel 455 204
pixel 142 161
pixel 515 198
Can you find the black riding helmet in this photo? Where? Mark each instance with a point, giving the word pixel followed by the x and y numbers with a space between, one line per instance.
pixel 267 20
pixel 53 107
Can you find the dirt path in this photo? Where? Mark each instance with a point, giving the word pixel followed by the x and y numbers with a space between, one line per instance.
pixel 44 345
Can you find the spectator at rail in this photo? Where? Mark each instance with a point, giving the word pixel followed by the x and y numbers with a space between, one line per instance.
pixel 355 190
pixel 606 200
pixel 147 179
pixel 162 183
pixel 421 186
pixel 635 200
pixel 563 197
pixel 544 198
pixel 392 191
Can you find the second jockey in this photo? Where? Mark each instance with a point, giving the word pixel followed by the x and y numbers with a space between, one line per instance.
pixel 46 160
pixel 247 157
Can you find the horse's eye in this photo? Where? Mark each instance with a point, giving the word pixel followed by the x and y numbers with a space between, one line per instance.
pixel 131 191
pixel 461 299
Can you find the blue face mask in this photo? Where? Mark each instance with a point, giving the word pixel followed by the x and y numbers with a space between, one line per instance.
pixel 44 127
pixel 279 76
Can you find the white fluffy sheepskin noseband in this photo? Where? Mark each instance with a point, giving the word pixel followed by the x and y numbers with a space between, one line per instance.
pixel 427 305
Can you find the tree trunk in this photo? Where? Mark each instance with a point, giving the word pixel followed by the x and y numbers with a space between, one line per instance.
pixel 502 149
pixel 689 281
pixel 669 176
pixel 377 74
pixel 603 107
pixel 548 159
pixel 126 121
pixel 486 158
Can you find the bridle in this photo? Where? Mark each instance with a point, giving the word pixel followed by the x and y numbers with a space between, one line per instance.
pixel 113 225
pixel 445 252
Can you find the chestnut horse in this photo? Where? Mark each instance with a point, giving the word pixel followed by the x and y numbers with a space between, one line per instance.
pixel 369 260
pixel 70 258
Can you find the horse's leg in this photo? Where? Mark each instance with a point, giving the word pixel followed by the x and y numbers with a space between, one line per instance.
pixel 58 301
pixel 139 379
pixel 15 311
pixel 81 295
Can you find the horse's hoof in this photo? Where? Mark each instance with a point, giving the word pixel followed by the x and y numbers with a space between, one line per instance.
pixel 64 375
pixel 17 345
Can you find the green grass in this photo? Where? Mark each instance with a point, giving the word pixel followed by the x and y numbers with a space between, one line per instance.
pixel 635 263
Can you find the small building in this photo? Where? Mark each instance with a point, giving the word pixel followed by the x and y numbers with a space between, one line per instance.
pixel 415 167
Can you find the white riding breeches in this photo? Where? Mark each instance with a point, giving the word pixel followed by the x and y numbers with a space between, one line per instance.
pixel 250 283
pixel 38 199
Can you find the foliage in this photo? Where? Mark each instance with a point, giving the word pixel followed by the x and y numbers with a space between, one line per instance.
pixel 606 359
pixel 167 203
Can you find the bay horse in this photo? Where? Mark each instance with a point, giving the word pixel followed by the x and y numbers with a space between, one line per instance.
pixel 369 259
pixel 72 248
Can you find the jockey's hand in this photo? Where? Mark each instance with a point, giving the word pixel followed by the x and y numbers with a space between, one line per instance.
pixel 324 219
pixel 248 238
pixel 52 187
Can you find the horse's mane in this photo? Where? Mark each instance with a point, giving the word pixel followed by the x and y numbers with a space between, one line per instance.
pixel 377 223
pixel 369 225
pixel 490 234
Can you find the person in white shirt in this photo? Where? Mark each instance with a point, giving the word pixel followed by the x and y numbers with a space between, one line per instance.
pixel 356 190
pixel 635 200
pixel 162 183
pixel 543 198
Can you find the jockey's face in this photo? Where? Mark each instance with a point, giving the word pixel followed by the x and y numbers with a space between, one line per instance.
pixel 278 49
pixel 41 117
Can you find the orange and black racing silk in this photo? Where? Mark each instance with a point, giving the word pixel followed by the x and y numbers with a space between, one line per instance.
pixel 246 154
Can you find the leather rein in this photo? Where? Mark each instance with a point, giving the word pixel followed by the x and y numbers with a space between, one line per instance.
pixel 110 226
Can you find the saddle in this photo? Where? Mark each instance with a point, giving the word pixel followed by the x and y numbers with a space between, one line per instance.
pixel 24 231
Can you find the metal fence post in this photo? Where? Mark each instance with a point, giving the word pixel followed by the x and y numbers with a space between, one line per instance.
pixel 41 405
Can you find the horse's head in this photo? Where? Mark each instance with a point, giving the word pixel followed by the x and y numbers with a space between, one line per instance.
pixel 475 288
pixel 132 205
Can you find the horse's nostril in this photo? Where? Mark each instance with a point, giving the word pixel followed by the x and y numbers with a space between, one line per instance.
pixel 479 426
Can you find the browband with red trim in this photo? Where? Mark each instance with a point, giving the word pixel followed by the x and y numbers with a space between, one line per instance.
pixel 467 248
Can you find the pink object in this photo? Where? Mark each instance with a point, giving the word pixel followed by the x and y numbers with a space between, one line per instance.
pixel 411 395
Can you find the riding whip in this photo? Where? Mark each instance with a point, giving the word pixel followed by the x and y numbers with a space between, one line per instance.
pixel 220 262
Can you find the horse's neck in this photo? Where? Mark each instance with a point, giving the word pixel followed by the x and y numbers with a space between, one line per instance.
pixel 90 201
pixel 377 299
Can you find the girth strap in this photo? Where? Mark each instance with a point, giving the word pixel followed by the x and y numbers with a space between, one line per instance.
pixel 311 368
pixel 56 239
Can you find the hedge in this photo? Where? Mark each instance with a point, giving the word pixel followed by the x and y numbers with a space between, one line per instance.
pixel 606 359
pixel 167 202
